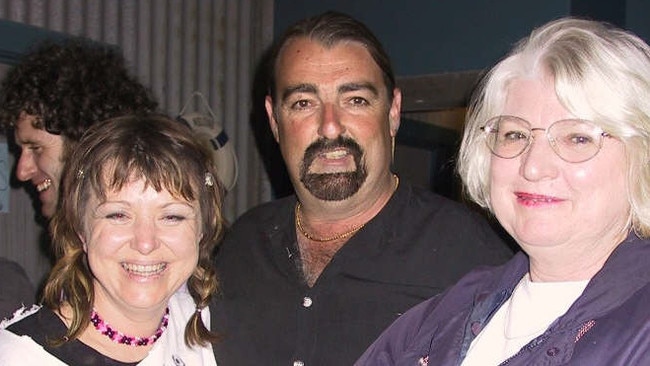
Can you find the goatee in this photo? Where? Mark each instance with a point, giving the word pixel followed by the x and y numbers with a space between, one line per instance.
pixel 333 186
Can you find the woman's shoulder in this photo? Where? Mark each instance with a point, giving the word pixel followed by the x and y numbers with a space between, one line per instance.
pixel 18 345
pixel 31 334
pixel 36 322
pixel 20 314
pixel 22 350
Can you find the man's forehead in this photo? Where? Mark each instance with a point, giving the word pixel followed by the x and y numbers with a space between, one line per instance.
pixel 26 121
pixel 310 61
pixel 297 45
pixel 27 132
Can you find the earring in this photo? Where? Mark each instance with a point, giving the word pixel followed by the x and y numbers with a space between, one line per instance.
pixel 209 179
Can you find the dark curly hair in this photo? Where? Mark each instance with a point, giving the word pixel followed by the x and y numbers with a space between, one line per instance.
pixel 69 86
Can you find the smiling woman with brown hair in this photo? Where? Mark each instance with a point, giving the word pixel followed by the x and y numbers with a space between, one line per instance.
pixel 138 221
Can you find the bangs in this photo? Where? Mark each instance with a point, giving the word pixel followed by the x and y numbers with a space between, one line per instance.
pixel 120 172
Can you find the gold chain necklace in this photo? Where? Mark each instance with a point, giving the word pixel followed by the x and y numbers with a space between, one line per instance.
pixel 335 237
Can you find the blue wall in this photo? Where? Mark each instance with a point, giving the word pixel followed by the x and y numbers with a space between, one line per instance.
pixel 637 17
pixel 17 38
pixel 432 36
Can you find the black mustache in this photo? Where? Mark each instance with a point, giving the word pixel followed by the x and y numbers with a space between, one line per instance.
pixel 323 144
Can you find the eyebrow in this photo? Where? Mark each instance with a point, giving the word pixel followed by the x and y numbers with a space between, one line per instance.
pixel 345 88
pixel 20 142
pixel 300 88
pixel 358 86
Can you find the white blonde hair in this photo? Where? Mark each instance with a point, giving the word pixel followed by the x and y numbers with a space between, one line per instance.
pixel 601 73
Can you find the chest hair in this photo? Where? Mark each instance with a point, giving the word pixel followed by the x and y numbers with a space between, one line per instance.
pixel 315 256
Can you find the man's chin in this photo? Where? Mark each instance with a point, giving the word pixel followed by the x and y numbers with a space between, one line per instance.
pixel 333 186
pixel 48 210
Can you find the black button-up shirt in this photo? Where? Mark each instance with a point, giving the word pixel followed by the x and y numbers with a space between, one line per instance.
pixel 419 244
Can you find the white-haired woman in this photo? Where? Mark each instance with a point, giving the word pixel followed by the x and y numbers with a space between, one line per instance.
pixel 557 147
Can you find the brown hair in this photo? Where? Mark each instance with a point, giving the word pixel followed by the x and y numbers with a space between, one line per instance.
pixel 329 29
pixel 70 85
pixel 167 156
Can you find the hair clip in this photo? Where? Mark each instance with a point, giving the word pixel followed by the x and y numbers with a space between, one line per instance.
pixel 80 174
pixel 209 179
pixel 198 310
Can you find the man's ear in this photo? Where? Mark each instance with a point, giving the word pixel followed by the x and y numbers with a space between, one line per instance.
pixel 273 123
pixel 394 112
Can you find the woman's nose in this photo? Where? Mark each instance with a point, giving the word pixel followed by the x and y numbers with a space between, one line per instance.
pixel 539 161
pixel 145 240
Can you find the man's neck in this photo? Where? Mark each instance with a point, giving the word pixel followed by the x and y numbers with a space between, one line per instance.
pixel 321 233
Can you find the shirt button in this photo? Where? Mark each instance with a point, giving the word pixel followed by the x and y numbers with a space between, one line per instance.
pixel 306 302
pixel 476 328
pixel 554 351
pixel 298 363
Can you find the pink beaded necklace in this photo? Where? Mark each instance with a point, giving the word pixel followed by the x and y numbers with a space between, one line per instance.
pixel 119 337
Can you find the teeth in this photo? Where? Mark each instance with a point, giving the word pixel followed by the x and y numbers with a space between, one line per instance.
pixel 44 185
pixel 336 154
pixel 546 200
pixel 144 270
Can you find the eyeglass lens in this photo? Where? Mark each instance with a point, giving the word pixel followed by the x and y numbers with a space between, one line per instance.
pixel 573 140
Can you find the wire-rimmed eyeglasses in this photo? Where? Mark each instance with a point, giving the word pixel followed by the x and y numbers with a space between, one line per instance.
pixel 573 140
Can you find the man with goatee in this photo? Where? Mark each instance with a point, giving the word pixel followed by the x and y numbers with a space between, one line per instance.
pixel 313 279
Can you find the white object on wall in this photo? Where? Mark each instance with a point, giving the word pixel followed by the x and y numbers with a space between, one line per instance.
pixel 212 134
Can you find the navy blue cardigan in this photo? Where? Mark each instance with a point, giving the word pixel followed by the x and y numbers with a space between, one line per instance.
pixel 609 324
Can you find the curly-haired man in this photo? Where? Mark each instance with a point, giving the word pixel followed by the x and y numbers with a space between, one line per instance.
pixel 53 95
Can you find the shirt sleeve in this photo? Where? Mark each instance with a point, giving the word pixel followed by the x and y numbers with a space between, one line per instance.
pixel 16 289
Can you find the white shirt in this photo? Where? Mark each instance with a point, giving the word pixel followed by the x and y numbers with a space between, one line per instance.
pixel 529 311
pixel 169 349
